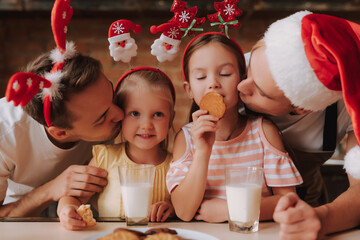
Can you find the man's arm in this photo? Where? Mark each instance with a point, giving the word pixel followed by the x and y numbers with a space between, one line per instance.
pixel 296 217
pixel 339 215
pixel 76 180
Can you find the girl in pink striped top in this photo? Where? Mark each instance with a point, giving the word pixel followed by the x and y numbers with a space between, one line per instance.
pixel 205 147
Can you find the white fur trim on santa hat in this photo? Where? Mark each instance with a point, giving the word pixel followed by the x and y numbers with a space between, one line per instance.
pixel 119 38
pixel 290 67
pixel 168 40
pixel 54 90
pixel 352 162
pixel 70 52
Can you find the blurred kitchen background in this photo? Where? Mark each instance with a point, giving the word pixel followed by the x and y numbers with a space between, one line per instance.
pixel 25 33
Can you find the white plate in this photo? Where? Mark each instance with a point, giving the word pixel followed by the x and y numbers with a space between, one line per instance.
pixel 184 233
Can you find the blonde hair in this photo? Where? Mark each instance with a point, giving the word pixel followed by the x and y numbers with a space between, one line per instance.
pixel 151 80
pixel 260 43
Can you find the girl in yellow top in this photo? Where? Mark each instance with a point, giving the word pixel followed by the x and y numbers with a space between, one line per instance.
pixel 147 97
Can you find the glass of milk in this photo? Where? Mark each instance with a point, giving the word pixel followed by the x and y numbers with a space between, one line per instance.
pixel 136 183
pixel 243 193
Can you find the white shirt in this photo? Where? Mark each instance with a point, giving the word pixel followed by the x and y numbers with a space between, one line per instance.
pixel 28 159
pixel 305 132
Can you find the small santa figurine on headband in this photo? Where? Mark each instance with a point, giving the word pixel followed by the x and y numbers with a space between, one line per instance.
pixel 122 45
pixel 315 59
pixel 166 48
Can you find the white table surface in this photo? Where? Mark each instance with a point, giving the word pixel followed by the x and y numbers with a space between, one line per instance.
pixel 54 231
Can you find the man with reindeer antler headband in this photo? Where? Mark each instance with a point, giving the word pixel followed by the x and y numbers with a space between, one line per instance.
pixel 66 102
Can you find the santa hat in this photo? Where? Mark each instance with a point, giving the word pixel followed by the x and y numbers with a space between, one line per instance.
pixel 314 59
pixel 119 30
pixel 171 33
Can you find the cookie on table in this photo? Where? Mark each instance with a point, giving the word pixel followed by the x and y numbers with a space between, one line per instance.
pixel 85 212
pixel 162 236
pixel 152 231
pixel 120 235
pixel 214 104
pixel 138 233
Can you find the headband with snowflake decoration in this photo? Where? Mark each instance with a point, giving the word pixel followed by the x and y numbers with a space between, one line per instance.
pixel 185 18
pixel 22 87
pixel 226 15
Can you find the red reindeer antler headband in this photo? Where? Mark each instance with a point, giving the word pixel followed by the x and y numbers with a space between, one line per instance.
pixel 22 87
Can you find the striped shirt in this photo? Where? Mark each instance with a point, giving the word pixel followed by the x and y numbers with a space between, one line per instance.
pixel 250 148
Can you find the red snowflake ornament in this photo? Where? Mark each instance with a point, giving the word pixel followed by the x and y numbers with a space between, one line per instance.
pixel 23 86
pixel 227 11
pixel 184 16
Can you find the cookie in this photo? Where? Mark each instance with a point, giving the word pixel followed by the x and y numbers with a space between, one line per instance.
pixel 138 233
pixel 158 230
pixel 85 212
pixel 162 236
pixel 120 235
pixel 214 103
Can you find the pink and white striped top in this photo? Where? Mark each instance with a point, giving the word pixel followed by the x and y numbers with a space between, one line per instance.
pixel 250 148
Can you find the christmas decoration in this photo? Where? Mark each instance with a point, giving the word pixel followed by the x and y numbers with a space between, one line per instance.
pixel 122 45
pixel 226 15
pixel 185 17
pixel 314 60
pixel 166 48
pixel 22 87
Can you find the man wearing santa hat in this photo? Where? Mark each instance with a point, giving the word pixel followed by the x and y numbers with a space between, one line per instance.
pixel 166 48
pixel 307 63
pixel 122 45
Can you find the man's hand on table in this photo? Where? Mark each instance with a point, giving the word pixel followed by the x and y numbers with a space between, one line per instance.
pixel 297 219
pixel 78 181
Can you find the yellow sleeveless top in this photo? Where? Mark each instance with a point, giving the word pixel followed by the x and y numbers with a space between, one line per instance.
pixel 109 200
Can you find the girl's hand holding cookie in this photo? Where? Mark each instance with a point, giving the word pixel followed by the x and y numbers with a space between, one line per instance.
pixel 203 129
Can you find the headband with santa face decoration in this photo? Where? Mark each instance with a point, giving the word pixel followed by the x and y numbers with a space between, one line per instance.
pixel 123 48
pixel 314 60
pixel 184 23
pixel 166 48
pixel 22 87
